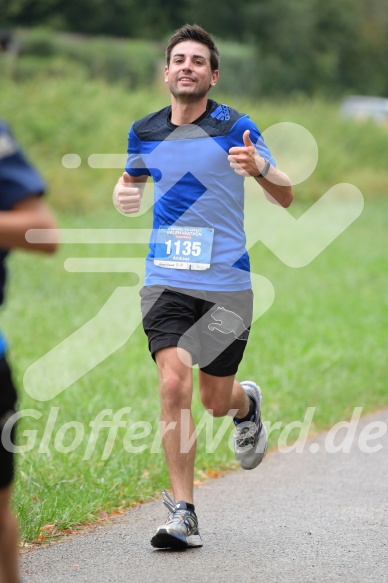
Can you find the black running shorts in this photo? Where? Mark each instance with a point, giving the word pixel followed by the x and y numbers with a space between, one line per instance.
pixel 7 408
pixel 212 326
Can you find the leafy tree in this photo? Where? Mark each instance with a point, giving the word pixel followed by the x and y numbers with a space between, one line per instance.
pixel 305 46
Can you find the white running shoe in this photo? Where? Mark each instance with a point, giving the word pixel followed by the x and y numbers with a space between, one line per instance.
pixel 180 529
pixel 250 438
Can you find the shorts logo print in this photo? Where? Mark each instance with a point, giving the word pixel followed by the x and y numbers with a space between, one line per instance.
pixel 228 322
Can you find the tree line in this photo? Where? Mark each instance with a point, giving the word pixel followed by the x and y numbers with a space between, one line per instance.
pixel 305 46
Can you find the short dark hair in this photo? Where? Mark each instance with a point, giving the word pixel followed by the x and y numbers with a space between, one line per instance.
pixel 198 34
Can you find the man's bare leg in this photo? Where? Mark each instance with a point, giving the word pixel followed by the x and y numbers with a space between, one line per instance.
pixel 220 395
pixel 176 389
pixel 8 540
pixel 223 396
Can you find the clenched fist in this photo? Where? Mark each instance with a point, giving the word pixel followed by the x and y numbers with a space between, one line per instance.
pixel 126 196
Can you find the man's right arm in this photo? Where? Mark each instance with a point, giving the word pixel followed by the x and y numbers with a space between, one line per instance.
pixel 128 192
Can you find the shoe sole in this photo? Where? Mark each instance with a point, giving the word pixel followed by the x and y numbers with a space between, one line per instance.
pixel 165 540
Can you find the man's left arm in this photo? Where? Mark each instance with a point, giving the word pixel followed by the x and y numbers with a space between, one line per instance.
pixel 246 161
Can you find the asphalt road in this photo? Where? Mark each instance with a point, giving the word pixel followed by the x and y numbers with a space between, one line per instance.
pixel 316 516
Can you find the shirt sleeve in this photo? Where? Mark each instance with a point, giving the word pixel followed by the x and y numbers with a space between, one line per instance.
pixel 18 178
pixel 135 165
pixel 245 123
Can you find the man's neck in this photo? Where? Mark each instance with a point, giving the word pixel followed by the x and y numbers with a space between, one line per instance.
pixel 184 113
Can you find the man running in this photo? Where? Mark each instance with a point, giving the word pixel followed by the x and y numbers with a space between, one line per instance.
pixel 197 297
pixel 21 208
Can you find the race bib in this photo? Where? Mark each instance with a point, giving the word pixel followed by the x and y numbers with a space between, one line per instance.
pixel 184 247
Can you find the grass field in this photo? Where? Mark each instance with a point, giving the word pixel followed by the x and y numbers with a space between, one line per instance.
pixel 322 343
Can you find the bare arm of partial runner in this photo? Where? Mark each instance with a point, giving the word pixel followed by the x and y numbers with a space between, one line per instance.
pixel 29 213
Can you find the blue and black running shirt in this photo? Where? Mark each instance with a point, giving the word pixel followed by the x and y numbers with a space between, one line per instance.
pixel 194 186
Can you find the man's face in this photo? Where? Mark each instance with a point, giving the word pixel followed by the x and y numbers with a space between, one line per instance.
pixel 189 75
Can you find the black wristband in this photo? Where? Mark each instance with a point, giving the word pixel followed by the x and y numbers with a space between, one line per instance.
pixel 265 170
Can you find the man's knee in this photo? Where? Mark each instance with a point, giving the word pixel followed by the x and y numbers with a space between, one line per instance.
pixel 216 403
pixel 175 390
pixel 215 408
pixel 215 394
pixel 175 380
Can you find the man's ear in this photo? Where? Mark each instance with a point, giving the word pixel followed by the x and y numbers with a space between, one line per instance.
pixel 166 73
pixel 215 75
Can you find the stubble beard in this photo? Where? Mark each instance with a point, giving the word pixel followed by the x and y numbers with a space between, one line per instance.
pixel 190 97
